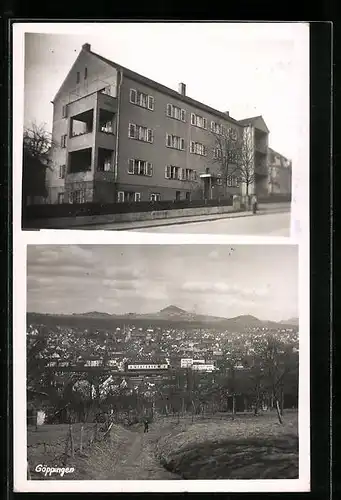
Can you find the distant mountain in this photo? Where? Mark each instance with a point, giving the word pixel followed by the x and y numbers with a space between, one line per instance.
pixel 172 310
pixel 94 314
pixel 291 321
pixel 171 315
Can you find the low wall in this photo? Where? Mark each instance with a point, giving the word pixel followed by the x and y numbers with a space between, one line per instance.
pixel 68 222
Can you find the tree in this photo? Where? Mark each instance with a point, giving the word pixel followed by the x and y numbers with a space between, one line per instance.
pixel 37 143
pixel 226 152
pixel 246 160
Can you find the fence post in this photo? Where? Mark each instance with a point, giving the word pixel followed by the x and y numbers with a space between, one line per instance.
pixel 71 441
pixel 67 445
pixel 81 443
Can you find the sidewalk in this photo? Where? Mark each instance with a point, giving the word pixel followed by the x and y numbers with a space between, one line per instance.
pixel 264 209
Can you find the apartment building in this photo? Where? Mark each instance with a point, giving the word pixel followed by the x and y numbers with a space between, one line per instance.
pixel 280 173
pixel 119 136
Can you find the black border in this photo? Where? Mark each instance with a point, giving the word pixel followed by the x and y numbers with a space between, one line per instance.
pixel 320 189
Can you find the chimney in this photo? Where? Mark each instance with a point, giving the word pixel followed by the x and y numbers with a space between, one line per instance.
pixel 86 47
pixel 227 113
pixel 182 89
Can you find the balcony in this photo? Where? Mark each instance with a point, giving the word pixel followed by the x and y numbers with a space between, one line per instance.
pixel 79 166
pixel 261 147
pixel 81 127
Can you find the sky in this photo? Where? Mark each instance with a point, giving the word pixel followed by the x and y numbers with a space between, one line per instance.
pixel 248 69
pixel 261 280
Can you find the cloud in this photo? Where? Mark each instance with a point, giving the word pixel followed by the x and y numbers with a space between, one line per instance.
pixel 125 273
pixel 223 288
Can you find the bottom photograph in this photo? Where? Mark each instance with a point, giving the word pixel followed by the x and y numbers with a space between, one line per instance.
pixel 162 362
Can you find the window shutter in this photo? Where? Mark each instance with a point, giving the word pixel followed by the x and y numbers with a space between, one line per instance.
pixel 137 196
pixel 133 96
pixel 120 196
pixel 167 172
pixel 192 147
pixel 151 103
pixel 204 150
pixel 192 118
pixel 168 140
pixel 169 110
pixel 131 166
pixel 149 135
pixel 183 115
pixel 194 175
pixel 182 144
pixel 64 111
pixel 149 169
pixel 132 130
pixel 205 122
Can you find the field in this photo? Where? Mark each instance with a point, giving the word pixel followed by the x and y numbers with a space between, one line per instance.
pixel 215 447
pixel 245 448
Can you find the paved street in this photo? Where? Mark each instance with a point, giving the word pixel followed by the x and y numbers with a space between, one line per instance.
pixel 277 224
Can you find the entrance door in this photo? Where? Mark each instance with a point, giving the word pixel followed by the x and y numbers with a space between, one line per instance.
pixel 207 188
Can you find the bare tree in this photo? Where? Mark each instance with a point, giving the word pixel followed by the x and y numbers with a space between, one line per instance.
pixel 246 161
pixel 226 152
pixel 37 143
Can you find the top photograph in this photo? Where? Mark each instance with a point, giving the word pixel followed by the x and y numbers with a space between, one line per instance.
pixel 171 127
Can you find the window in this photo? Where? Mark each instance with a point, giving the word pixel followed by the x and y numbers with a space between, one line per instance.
pixel 77 196
pixel 60 198
pixel 142 99
pixel 62 169
pixel 128 196
pixel 177 195
pixel 64 111
pixel 176 113
pixel 198 121
pixel 217 128
pixel 232 181
pixel 155 197
pixel 181 174
pixel 198 148
pixel 85 73
pixel 233 134
pixel 217 154
pixel 173 141
pixel 78 77
pixel 140 167
pixel 140 133
pixel 63 141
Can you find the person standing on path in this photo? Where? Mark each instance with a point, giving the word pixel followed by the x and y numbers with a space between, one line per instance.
pixel 146 426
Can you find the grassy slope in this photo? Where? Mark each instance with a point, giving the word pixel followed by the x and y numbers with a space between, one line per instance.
pixel 246 448
pixel 95 462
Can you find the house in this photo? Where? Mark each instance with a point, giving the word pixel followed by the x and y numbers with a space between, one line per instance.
pixel 279 173
pixel 120 137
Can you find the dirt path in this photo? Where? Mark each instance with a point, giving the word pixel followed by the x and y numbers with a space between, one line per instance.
pixel 138 462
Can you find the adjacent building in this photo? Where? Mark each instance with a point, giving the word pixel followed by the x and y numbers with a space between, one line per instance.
pixel 280 173
pixel 118 136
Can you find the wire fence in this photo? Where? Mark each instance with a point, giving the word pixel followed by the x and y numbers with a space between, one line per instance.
pixel 60 445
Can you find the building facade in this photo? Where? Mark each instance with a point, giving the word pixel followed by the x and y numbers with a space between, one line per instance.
pixel 280 173
pixel 118 136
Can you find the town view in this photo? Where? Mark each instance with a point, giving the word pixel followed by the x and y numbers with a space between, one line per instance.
pixel 164 394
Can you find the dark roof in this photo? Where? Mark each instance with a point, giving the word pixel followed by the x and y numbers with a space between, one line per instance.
pixel 147 81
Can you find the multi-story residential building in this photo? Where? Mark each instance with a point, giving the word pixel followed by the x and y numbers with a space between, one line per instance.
pixel 280 173
pixel 119 136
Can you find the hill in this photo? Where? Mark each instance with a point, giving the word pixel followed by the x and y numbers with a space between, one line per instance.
pixel 171 316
